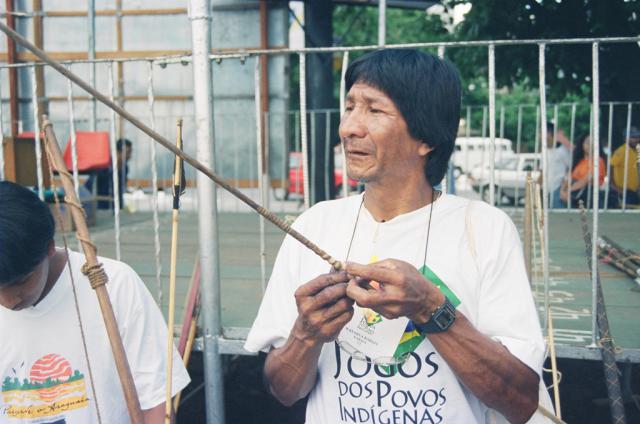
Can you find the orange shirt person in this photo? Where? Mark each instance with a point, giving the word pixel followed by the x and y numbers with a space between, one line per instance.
pixel 582 173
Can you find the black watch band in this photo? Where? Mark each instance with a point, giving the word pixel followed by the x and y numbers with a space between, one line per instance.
pixel 441 319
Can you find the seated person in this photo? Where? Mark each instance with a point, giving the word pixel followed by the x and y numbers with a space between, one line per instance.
pixel 45 301
pixel 103 178
pixel 626 155
pixel 582 174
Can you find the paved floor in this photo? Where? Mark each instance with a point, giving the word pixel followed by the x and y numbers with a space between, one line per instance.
pixel 569 291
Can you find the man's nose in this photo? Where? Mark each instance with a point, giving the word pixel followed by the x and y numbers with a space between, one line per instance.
pixel 352 125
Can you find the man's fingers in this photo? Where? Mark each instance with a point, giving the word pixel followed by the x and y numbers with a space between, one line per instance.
pixel 363 297
pixel 314 286
pixel 340 307
pixel 380 272
pixel 329 295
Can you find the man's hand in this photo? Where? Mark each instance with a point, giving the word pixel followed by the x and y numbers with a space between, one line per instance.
pixel 323 308
pixel 400 290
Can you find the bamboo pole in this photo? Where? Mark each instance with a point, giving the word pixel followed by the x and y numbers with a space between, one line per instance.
pixel 270 216
pixel 554 366
pixel 97 277
pixel 177 191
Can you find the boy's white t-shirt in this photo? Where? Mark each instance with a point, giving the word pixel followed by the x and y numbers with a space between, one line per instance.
pixel 487 274
pixel 43 370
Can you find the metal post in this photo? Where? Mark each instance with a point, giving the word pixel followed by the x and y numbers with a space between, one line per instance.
pixel 36 132
pixel 536 147
pixel 492 124
pixel 72 134
pixel 501 122
pixel 91 54
pixel 466 145
pixel 571 139
pixel 258 95
pixel 303 130
pixel 518 145
pixel 382 22
pixel 114 163
pixel 596 189
pixel 608 170
pixel 626 158
pixel 154 185
pixel 545 179
pixel 1 134
pixel 328 179
pixel 200 18
pixel 343 97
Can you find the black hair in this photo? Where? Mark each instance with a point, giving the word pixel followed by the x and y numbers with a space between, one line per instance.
pixel 578 150
pixel 425 89
pixel 26 231
pixel 123 142
pixel 551 127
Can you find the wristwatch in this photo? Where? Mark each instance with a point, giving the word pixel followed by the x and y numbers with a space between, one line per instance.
pixel 441 319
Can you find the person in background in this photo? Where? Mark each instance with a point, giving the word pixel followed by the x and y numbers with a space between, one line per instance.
pixel 559 155
pixel 582 174
pixel 104 177
pixel 618 168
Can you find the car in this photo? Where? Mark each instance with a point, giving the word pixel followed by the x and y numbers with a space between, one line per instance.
pixel 474 151
pixel 296 181
pixel 510 177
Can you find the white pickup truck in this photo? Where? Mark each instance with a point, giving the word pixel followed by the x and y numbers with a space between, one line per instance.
pixel 510 177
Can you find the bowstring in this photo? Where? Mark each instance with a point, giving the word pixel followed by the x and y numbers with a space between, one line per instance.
pixel 58 214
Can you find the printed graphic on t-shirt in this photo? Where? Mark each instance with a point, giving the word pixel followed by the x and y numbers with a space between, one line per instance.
pixel 50 389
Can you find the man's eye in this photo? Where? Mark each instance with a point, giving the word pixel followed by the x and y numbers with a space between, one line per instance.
pixel 374 110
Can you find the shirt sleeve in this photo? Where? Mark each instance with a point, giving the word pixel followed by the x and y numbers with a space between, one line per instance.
pixel 144 335
pixel 507 311
pixel 278 311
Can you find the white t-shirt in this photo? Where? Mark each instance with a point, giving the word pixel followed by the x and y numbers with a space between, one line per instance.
pixel 492 287
pixel 44 373
pixel 559 161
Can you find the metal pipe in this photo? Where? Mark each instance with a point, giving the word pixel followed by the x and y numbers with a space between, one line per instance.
pixel 328 179
pixel 114 164
pixel 154 185
pixel 596 188
pixel 259 135
pixel 36 132
pixel 382 23
pixel 312 166
pixel 545 179
pixel 303 130
pixel 343 97
pixel 518 146
pixel 492 124
pixel 1 135
pixel 571 139
pixel 200 18
pixel 626 158
pixel 91 54
pixel 610 153
pixel 466 145
pixel 72 134
pixel 14 110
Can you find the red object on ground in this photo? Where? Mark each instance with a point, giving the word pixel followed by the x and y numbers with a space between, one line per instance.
pixel 93 150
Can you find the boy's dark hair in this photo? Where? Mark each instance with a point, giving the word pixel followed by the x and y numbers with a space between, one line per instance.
pixel 121 142
pixel 26 230
pixel 427 92
pixel 551 127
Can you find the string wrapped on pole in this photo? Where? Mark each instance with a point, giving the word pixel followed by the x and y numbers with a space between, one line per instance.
pixel 96 275
pixel 154 185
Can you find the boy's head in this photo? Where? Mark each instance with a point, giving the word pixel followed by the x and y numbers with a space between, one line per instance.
pixel 26 244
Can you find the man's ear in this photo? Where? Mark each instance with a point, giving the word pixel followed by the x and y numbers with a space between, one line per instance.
pixel 424 149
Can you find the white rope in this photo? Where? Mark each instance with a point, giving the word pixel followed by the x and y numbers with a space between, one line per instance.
pixel 257 91
pixel 303 130
pixel 114 163
pixel 36 131
pixel 154 185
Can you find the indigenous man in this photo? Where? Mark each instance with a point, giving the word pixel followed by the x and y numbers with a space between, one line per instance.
pixel 450 268
pixel 47 375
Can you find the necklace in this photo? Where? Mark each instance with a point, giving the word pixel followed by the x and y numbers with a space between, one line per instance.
pixel 435 195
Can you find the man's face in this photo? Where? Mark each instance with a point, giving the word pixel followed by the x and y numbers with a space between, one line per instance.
pixel 376 138
pixel 27 292
pixel 124 155
pixel 633 141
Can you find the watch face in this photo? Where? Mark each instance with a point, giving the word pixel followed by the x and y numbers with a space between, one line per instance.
pixel 443 320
